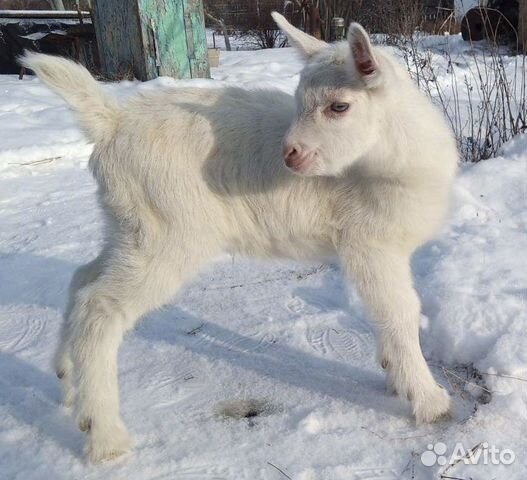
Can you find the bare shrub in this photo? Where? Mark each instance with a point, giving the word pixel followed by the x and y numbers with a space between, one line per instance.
pixel 484 103
pixel 263 38
pixel 393 17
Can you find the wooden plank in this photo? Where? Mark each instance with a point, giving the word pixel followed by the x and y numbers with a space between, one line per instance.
pixel 119 39
pixel 196 39
pixel 174 38
pixel 152 38
pixel 50 14
pixel 164 38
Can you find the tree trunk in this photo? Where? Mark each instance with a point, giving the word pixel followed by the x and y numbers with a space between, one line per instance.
pixel 522 25
pixel 223 28
pixel 314 21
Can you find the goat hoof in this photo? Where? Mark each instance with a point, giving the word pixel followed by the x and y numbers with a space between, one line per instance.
pixel 434 408
pixel 391 391
pixel 107 443
pixel 85 425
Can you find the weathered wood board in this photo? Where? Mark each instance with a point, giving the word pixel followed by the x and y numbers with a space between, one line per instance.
pixel 150 38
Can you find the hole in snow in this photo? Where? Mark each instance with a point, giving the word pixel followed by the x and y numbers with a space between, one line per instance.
pixel 249 408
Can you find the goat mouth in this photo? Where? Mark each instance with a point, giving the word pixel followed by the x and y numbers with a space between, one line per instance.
pixel 301 165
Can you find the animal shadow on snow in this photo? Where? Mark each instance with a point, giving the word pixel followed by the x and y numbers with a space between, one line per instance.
pixel 336 379
pixel 287 365
pixel 28 279
pixel 32 396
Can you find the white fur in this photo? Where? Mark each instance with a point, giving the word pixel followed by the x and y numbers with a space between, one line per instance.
pixel 186 174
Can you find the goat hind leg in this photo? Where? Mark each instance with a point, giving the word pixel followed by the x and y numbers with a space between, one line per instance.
pixel 63 362
pixel 131 284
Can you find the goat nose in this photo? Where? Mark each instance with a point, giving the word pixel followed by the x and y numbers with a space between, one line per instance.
pixel 291 154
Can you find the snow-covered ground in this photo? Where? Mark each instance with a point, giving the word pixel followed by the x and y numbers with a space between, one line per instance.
pixel 284 342
pixel 216 40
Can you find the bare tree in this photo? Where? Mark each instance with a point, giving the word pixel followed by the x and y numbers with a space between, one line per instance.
pixel 209 13
pixel 310 12
pixel 221 24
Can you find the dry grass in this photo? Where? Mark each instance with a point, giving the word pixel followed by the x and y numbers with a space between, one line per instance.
pixel 485 104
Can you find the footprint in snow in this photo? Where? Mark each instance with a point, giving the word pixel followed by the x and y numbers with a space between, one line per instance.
pixel 20 330
pixel 348 345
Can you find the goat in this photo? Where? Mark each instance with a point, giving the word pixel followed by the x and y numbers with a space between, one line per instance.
pixel 357 166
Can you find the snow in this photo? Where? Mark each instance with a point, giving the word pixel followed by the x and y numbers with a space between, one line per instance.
pixel 215 39
pixel 286 341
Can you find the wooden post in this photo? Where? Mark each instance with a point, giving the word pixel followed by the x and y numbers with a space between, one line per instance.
pixel 149 38
pixel 522 24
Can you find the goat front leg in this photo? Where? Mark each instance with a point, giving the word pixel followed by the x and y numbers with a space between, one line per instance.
pixel 384 280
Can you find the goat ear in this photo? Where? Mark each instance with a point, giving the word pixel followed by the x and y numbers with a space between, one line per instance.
pixel 307 44
pixel 363 57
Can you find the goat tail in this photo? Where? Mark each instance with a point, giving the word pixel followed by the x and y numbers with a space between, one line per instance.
pixel 97 112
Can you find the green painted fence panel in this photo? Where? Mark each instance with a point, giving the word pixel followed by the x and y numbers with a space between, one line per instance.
pixel 152 38
pixel 197 39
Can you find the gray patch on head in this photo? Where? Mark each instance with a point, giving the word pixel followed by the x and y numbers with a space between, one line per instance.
pixel 320 84
pixel 327 74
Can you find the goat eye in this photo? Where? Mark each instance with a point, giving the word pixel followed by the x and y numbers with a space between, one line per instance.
pixel 339 107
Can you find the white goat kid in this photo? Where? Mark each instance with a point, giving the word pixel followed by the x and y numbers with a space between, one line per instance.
pixel 186 174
